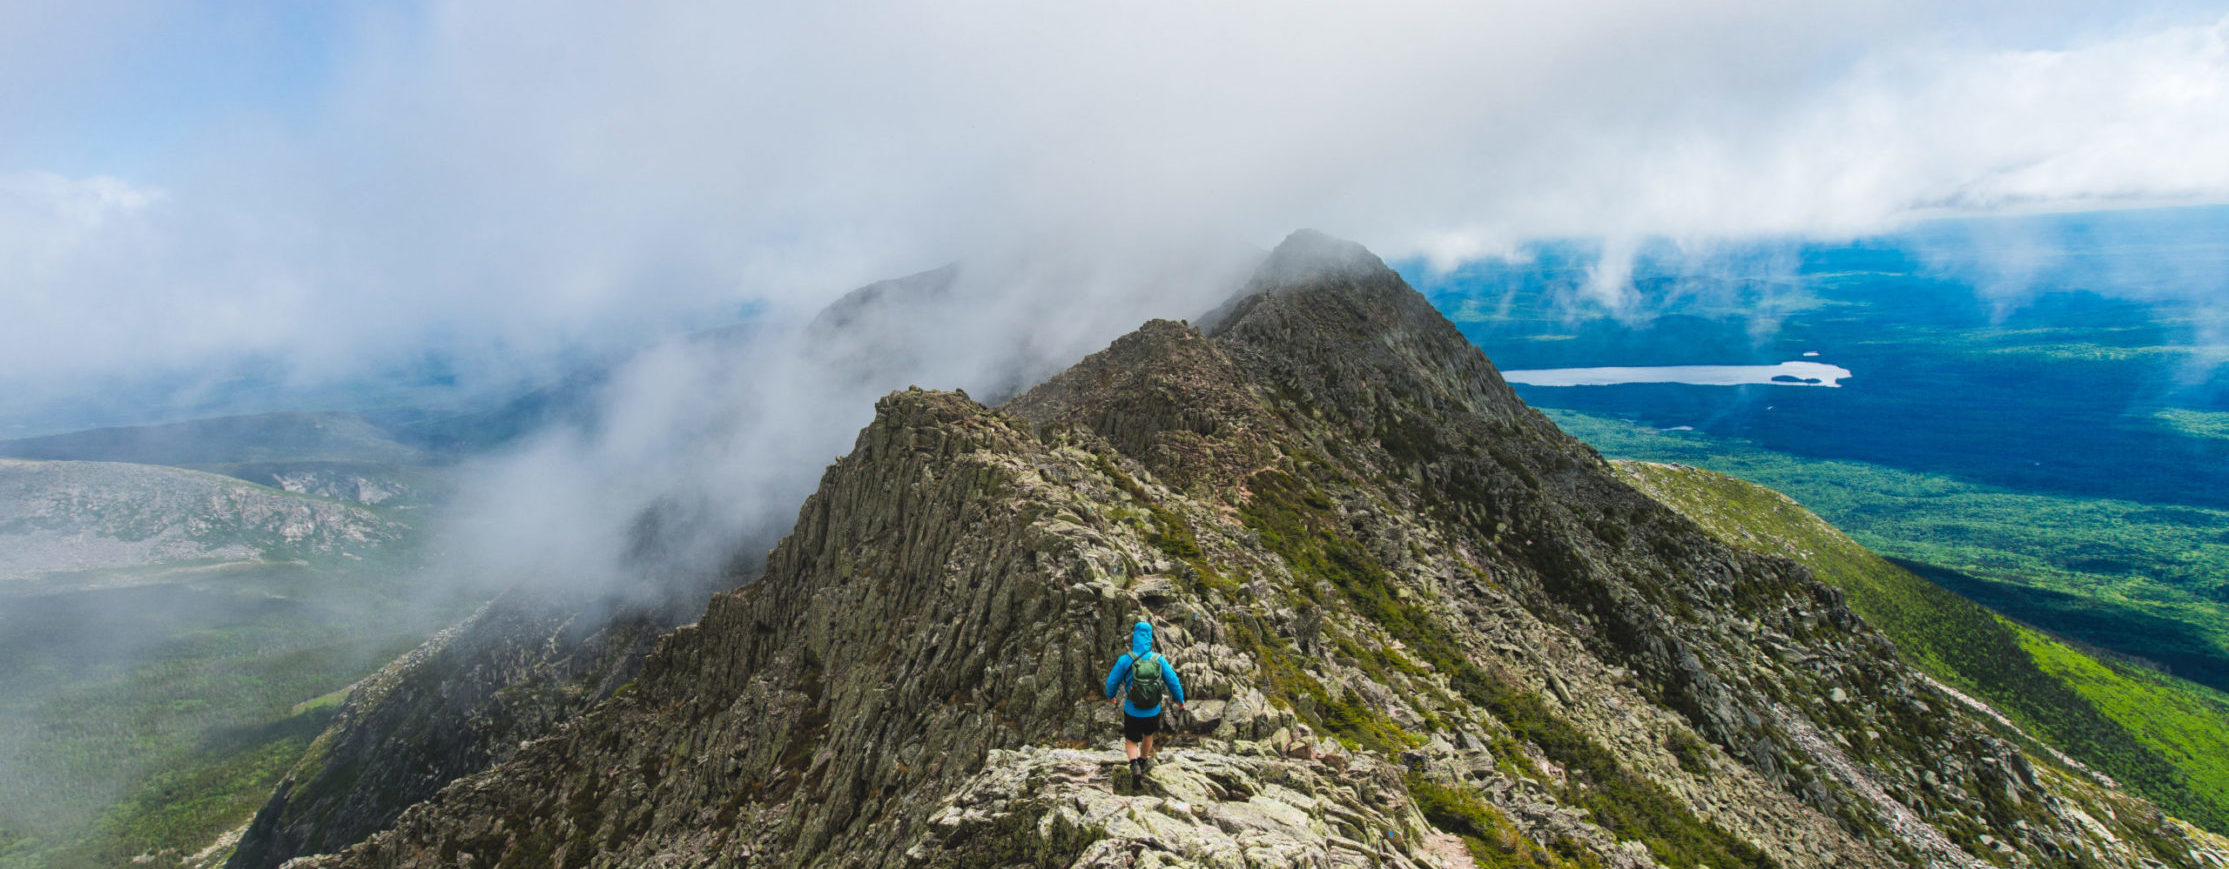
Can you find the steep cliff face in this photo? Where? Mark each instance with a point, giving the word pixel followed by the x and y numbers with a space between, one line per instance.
pixel 1418 624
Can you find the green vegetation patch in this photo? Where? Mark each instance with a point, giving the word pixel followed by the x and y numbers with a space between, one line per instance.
pixel 217 788
pixel 1493 842
pixel 2185 725
pixel 1689 750
pixel 1168 532
pixel 1286 682
pixel 2085 351
pixel 2212 425
pixel 328 700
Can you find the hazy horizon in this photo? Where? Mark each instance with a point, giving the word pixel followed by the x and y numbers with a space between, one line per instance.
pixel 198 200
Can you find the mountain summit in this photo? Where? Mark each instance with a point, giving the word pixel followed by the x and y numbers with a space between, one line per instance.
pixel 1419 626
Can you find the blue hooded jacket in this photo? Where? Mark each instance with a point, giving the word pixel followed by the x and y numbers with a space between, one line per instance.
pixel 1141 644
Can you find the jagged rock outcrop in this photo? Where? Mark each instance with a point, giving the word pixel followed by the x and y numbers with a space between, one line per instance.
pixel 1405 606
pixel 1249 807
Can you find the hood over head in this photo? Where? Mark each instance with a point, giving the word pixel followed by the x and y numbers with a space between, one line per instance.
pixel 1141 639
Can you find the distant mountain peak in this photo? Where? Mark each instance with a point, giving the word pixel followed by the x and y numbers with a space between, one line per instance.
pixel 884 299
pixel 1327 320
pixel 1308 256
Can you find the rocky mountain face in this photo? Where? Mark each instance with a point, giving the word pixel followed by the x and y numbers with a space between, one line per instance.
pixel 74 516
pixel 524 663
pixel 1419 627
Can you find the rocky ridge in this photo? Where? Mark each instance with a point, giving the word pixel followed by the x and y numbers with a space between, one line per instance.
pixel 342 481
pixel 1055 806
pixel 534 656
pixel 75 516
pixel 1406 607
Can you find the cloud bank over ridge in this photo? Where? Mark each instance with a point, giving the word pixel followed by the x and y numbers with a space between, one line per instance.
pixel 501 181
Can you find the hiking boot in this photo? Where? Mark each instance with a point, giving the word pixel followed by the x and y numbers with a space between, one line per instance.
pixel 1145 765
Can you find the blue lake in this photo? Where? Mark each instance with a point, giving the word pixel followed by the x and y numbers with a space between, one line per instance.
pixel 2044 372
pixel 1783 374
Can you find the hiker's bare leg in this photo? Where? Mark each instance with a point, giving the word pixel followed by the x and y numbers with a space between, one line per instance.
pixel 1131 748
pixel 1149 745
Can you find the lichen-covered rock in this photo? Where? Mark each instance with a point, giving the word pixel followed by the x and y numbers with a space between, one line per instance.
pixel 1253 808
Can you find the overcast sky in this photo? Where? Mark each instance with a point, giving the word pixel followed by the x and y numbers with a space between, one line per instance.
pixel 334 187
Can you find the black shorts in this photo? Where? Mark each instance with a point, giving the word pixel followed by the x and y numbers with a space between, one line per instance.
pixel 1135 729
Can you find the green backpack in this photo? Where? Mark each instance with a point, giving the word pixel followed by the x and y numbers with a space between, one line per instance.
pixel 1146 685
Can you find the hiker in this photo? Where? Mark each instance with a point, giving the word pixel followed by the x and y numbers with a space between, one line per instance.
pixel 1144 678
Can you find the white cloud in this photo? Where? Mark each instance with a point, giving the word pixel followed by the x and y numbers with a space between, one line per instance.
pixel 60 237
pixel 505 179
